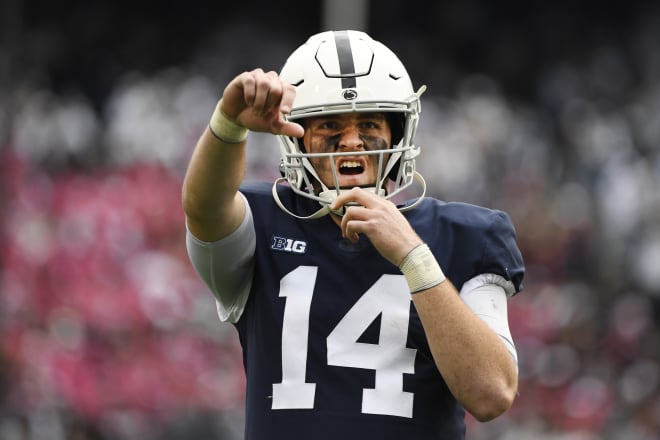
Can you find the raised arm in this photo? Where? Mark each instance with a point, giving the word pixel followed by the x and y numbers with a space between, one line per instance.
pixel 256 101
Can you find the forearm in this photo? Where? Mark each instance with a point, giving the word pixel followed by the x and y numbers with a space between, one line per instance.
pixel 210 196
pixel 471 357
pixel 253 100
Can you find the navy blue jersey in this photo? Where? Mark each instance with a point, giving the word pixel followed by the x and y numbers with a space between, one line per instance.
pixel 333 347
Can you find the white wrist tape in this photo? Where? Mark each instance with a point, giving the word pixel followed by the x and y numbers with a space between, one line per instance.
pixel 421 269
pixel 225 129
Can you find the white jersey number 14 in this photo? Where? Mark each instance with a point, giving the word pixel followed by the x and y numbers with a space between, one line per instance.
pixel 389 298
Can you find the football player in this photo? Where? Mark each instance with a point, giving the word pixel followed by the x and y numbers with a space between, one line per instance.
pixel 359 317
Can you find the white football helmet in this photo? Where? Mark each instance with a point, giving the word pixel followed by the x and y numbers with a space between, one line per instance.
pixel 348 71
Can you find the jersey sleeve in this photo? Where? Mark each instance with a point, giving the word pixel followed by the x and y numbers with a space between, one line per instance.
pixel 500 254
pixel 227 266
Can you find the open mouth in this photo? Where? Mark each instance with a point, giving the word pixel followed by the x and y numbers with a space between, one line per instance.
pixel 351 168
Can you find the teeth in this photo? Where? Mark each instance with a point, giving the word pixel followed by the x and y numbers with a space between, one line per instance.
pixel 350 164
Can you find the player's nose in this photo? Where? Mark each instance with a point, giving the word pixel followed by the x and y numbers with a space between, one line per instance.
pixel 350 139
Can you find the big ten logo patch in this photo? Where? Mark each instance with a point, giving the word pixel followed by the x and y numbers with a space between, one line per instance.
pixel 288 245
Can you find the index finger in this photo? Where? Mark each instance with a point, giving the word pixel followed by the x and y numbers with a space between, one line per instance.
pixel 281 124
pixel 288 96
pixel 356 195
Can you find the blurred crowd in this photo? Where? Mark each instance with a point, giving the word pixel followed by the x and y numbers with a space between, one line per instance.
pixel 106 332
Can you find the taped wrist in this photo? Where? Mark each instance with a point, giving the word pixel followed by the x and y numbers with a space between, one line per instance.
pixel 421 269
pixel 225 129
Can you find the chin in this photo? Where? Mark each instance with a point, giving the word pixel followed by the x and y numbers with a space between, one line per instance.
pixel 353 181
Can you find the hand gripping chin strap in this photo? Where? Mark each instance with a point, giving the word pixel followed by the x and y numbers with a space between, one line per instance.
pixel 328 197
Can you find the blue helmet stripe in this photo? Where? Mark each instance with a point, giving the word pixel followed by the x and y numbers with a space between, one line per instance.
pixel 345 56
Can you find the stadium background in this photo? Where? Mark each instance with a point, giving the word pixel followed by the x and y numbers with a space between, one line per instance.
pixel 548 110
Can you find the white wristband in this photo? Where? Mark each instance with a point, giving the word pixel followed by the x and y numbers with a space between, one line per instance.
pixel 225 129
pixel 421 269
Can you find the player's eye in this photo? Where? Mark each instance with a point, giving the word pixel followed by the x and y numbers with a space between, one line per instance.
pixel 328 125
pixel 370 125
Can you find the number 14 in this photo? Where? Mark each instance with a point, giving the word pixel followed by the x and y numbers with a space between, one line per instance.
pixel 390 358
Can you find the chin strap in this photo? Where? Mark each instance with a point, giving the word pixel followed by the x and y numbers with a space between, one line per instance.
pixel 328 196
pixel 325 210
pixel 419 179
